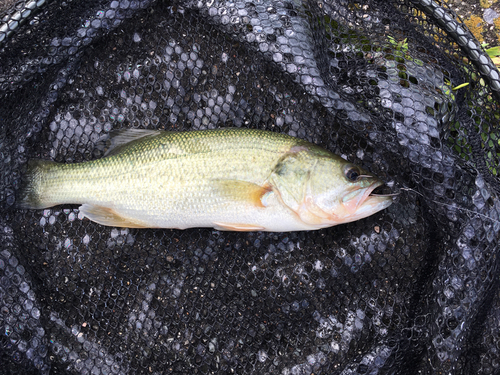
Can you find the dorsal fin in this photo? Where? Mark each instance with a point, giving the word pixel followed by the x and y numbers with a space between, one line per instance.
pixel 121 139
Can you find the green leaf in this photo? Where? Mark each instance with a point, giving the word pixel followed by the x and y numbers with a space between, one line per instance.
pixel 493 51
pixel 460 86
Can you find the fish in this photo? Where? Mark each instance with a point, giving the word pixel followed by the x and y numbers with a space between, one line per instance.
pixel 231 179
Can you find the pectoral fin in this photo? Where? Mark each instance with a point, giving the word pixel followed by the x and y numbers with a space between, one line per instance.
pixel 243 191
pixel 238 227
pixel 108 216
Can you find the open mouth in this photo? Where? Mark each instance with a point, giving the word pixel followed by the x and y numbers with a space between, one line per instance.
pixel 369 200
pixel 361 203
pixel 382 190
pixel 377 197
pixel 360 197
pixel 376 189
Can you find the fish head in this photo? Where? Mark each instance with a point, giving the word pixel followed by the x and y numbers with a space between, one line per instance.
pixel 340 192
pixel 325 190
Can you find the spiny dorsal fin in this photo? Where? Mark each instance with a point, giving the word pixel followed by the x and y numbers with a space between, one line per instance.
pixel 120 139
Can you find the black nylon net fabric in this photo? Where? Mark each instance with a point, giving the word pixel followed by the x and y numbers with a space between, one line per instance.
pixel 412 289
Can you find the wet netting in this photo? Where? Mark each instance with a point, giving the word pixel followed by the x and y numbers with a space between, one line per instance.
pixel 412 289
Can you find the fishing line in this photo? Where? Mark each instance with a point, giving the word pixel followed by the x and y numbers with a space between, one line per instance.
pixel 450 206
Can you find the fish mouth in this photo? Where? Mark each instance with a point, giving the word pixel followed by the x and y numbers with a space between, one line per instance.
pixel 376 198
pixel 382 190
pixel 361 203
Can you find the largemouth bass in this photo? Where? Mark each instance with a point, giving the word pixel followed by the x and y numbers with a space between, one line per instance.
pixel 228 179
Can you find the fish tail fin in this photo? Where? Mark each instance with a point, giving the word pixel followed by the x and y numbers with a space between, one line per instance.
pixel 32 193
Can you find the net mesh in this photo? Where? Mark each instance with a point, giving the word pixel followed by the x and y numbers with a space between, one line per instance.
pixel 412 289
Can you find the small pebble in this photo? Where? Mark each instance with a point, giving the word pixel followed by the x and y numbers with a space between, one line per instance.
pixel 490 15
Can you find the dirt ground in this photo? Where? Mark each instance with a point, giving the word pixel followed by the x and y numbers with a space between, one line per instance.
pixel 482 17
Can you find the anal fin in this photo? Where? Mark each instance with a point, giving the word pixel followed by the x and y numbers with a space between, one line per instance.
pixel 238 227
pixel 108 216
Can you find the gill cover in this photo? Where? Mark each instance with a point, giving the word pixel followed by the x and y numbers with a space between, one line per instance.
pixel 290 176
pixel 299 183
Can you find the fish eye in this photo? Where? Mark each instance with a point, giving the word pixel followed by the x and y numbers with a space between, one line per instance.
pixel 352 173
